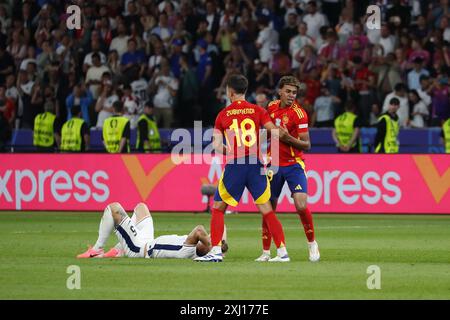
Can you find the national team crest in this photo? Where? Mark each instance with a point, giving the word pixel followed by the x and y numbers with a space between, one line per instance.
pixel 285 119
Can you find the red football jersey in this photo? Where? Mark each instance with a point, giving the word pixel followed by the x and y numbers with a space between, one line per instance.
pixel 240 123
pixel 295 120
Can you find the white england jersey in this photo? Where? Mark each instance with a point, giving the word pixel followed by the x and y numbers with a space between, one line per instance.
pixel 140 90
pixel 171 246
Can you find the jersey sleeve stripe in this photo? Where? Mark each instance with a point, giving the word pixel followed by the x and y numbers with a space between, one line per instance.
pixel 299 113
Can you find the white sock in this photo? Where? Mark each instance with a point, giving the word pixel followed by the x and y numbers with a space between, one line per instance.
pixel 267 252
pixel 216 250
pixel 105 228
pixel 281 251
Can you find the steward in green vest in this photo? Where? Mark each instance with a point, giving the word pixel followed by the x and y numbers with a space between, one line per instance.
pixel 148 139
pixel 346 131
pixel 386 140
pixel 446 135
pixel 116 131
pixel 45 133
pixel 75 133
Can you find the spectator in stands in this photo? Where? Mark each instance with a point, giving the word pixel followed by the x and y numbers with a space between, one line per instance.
pixel 297 43
pixel 25 87
pixel 104 105
pixel 187 99
pixel 387 40
pixel 289 31
pixel 314 19
pixel 165 87
pixel 323 115
pixel 132 61
pixel 163 30
pixel 83 98
pixel 267 37
pixel 400 93
pixel 120 42
pixel 440 105
pixel 419 110
pixel 261 99
pixel 415 74
pixel 6 63
pixel 88 60
pixel 17 47
pixel 389 74
pixel 94 75
pixel 279 63
pixel 11 91
pixel 7 108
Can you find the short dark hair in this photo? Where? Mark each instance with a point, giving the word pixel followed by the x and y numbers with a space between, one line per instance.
pixel 399 87
pixel 95 55
pixel 75 111
pixel 394 101
pixel 118 106
pixel 149 104
pixel 238 83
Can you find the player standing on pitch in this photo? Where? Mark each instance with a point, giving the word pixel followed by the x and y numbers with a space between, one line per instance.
pixel 240 122
pixel 290 117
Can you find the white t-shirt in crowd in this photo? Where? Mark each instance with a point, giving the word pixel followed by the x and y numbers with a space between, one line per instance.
pixel 295 45
pixel 163 98
pixel 120 44
pixel 103 114
pixel 314 23
pixel 266 37
pixel 95 73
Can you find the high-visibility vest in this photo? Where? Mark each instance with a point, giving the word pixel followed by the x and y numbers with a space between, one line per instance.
pixel 344 128
pixel 71 138
pixel 113 128
pixel 154 141
pixel 446 129
pixel 43 134
pixel 390 142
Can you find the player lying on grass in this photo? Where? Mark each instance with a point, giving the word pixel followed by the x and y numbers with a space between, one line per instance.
pixel 136 237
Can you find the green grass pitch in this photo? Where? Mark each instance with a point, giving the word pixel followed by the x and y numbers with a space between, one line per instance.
pixel 413 253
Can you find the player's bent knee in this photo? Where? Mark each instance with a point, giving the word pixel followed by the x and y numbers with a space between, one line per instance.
pixel 141 211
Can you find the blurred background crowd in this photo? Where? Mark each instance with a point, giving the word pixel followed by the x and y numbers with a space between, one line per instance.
pixel 176 54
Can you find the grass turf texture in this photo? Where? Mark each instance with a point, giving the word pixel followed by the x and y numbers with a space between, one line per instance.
pixel 413 253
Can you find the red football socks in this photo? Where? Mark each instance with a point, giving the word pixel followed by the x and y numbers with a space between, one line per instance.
pixel 266 236
pixel 307 221
pixel 217 227
pixel 275 228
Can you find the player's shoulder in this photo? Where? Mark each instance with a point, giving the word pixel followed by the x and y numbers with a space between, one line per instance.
pixel 273 104
pixel 299 111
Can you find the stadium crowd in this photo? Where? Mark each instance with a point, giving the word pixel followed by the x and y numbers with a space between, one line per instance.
pixel 176 54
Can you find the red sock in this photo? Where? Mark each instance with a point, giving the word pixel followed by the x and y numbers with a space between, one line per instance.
pixel 217 227
pixel 307 221
pixel 266 236
pixel 275 229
